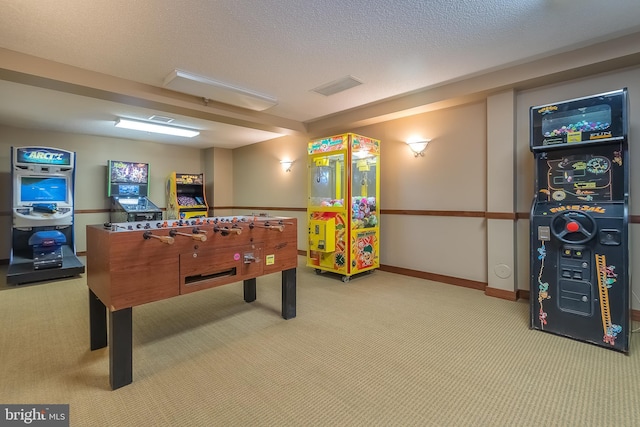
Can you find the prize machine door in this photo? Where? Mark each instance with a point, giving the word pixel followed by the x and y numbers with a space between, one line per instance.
pixel 42 245
pixel 579 222
pixel 128 188
pixel 364 208
pixel 186 196
pixel 327 213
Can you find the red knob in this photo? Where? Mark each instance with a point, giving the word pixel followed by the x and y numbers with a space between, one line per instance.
pixel 573 226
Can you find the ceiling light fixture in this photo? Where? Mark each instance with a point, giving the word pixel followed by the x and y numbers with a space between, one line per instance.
pixel 155 128
pixel 213 90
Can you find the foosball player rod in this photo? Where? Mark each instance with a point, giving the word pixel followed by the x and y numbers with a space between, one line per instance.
pixel 226 231
pixel 199 237
pixel 164 239
pixel 113 227
pixel 268 227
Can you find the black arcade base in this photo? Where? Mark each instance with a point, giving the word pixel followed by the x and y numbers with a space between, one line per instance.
pixel 21 269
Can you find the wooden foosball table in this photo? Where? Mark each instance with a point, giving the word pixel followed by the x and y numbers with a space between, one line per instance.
pixel 134 263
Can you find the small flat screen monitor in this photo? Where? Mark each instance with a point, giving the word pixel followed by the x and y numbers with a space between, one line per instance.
pixel 128 179
pixel 128 190
pixel 43 189
pixel 128 172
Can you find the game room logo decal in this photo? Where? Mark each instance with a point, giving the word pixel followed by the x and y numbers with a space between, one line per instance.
pixel 35 415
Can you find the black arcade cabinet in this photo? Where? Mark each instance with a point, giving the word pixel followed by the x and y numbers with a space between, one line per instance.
pixel 128 188
pixel 42 236
pixel 580 278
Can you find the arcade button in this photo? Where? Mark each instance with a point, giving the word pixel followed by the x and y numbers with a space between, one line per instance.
pixel 572 226
pixel 577 253
pixel 566 253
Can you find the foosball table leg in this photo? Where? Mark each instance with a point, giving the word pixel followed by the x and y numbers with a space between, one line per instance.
pixel 250 290
pixel 120 348
pixel 289 293
pixel 97 322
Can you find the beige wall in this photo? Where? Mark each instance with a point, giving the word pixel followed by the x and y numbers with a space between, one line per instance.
pixel 92 153
pixel 260 181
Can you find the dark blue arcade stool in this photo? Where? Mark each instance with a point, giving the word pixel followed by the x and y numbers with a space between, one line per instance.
pixel 47 249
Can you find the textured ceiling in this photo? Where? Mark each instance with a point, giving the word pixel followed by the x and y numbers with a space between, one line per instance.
pixel 287 48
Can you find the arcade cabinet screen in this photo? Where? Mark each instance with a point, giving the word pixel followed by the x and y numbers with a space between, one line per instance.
pixel 128 172
pixel 43 189
pixel 129 190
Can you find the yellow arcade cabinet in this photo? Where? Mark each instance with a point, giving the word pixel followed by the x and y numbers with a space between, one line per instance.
pixel 343 204
pixel 185 196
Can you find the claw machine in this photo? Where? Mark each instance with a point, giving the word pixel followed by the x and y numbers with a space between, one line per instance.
pixel 343 204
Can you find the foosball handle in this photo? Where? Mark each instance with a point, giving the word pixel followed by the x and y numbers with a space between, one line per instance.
pixel 164 239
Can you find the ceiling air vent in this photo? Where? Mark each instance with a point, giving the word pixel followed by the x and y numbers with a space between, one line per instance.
pixel 337 86
pixel 161 119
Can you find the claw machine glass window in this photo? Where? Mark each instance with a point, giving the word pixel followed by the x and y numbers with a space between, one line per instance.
pixel 327 181
pixel 364 189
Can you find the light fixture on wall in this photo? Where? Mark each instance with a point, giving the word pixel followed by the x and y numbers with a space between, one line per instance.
pixel 418 145
pixel 145 126
pixel 286 165
pixel 213 90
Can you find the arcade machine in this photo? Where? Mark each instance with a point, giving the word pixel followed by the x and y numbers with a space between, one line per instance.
pixel 128 189
pixel 343 205
pixel 579 220
pixel 185 196
pixel 42 236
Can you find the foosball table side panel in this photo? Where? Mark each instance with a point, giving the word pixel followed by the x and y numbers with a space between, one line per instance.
pixel 98 260
pixel 281 249
pixel 142 270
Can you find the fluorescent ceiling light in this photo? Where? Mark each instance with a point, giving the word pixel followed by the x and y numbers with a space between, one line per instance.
pixel 209 89
pixel 155 128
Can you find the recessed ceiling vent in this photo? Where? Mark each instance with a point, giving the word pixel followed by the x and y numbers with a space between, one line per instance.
pixel 161 119
pixel 337 86
pixel 213 90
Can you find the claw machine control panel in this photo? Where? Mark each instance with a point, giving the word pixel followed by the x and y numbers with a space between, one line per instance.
pixel 343 204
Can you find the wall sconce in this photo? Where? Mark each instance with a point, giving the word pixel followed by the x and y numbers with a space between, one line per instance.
pixel 286 165
pixel 418 145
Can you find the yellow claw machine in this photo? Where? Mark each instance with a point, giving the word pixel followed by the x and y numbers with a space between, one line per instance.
pixel 343 205
pixel 185 196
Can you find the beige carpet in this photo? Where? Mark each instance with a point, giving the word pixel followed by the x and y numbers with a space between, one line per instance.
pixel 382 350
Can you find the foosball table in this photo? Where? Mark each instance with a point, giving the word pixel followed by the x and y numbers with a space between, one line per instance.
pixel 134 263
